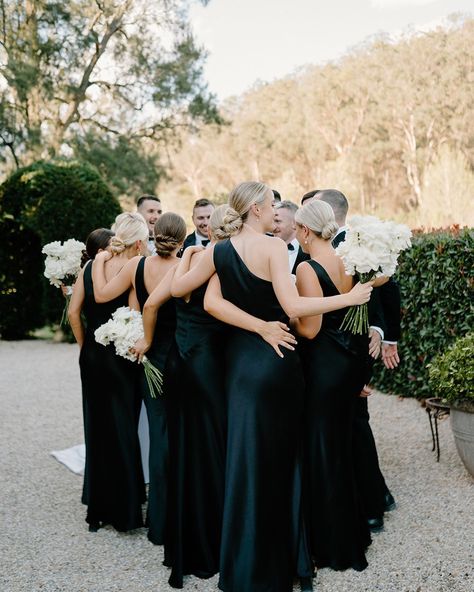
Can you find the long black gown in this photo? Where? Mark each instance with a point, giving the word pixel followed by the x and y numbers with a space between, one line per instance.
pixel 335 364
pixel 197 426
pixel 156 411
pixel 113 482
pixel 265 408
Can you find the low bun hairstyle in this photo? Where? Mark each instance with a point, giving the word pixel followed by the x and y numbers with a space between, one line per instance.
pixel 170 232
pixel 98 240
pixel 318 216
pixel 241 199
pixel 220 217
pixel 128 228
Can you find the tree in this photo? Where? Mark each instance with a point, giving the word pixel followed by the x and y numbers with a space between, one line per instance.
pixel 41 203
pixel 122 71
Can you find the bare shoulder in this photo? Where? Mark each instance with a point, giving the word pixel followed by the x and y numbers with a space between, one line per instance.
pixel 274 243
pixel 304 269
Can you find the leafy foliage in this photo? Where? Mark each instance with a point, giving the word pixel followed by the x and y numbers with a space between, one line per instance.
pixel 436 278
pixel 452 373
pixel 129 72
pixel 41 203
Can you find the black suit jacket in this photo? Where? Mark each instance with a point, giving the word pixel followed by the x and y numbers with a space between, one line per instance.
pixel 189 240
pixel 301 256
pixel 384 305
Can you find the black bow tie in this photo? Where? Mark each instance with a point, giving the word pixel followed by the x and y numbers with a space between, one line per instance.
pixel 205 242
pixel 290 247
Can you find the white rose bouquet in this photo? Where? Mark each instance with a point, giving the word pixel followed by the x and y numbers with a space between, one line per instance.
pixel 370 249
pixel 124 329
pixel 62 266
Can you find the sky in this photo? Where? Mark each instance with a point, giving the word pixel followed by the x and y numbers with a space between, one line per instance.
pixel 252 40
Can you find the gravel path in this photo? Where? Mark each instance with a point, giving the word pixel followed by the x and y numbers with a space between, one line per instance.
pixel 427 545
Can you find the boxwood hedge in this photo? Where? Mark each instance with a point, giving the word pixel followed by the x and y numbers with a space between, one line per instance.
pixel 436 278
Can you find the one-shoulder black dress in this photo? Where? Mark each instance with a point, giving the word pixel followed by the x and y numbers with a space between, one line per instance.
pixel 113 482
pixel 156 411
pixel 265 414
pixel 335 364
pixel 197 426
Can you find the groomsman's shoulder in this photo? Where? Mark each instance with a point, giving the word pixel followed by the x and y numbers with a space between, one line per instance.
pixel 190 240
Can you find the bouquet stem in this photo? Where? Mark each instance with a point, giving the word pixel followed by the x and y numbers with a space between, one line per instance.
pixel 356 320
pixel 153 377
pixel 64 316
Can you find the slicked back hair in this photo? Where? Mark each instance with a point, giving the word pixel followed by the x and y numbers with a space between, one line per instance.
pixel 338 202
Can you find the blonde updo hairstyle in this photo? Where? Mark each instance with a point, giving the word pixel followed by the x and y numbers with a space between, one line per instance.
pixel 241 199
pixel 216 223
pixel 170 232
pixel 129 228
pixel 318 216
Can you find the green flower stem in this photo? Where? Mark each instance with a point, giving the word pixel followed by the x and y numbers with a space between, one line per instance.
pixel 64 316
pixel 153 377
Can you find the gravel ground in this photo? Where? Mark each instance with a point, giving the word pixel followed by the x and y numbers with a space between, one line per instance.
pixel 427 545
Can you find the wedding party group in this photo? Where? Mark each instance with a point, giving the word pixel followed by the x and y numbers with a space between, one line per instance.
pixel 251 343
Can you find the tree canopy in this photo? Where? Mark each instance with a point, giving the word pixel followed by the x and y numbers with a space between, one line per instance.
pixel 105 80
pixel 390 124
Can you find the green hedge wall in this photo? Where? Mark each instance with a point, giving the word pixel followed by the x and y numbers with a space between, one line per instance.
pixel 436 278
pixel 43 202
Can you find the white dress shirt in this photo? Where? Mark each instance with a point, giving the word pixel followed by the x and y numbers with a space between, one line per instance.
pixel 293 253
pixel 151 246
pixel 200 238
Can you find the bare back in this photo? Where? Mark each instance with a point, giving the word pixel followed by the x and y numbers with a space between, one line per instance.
pixel 256 251
pixel 156 268
pixel 335 269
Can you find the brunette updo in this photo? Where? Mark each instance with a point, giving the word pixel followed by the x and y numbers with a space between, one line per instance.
pixel 318 216
pixel 98 240
pixel 170 232
pixel 241 199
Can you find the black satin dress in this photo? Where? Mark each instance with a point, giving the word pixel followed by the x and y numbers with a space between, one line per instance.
pixel 335 364
pixel 113 482
pixel 265 412
pixel 197 426
pixel 156 411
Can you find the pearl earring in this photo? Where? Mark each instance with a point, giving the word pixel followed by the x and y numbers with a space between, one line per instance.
pixel 305 242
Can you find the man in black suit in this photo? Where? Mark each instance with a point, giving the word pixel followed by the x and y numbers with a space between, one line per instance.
pixel 202 211
pixel 149 206
pixel 384 316
pixel 285 228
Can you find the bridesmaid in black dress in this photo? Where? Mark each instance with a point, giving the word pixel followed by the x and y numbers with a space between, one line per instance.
pixel 336 366
pixel 143 274
pixel 97 241
pixel 114 488
pixel 196 407
pixel 265 396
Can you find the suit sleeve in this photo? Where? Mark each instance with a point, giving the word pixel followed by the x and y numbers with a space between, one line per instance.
pixel 391 302
pixel 376 311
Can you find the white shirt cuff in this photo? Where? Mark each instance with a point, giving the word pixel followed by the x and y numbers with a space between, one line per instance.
pixel 379 331
pixel 389 342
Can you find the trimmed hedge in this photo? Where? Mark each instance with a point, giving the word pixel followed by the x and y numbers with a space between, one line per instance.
pixel 43 202
pixel 452 372
pixel 436 278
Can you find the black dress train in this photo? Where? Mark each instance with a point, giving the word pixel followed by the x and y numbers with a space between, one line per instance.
pixel 156 411
pixel 335 364
pixel 197 425
pixel 260 534
pixel 113 482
